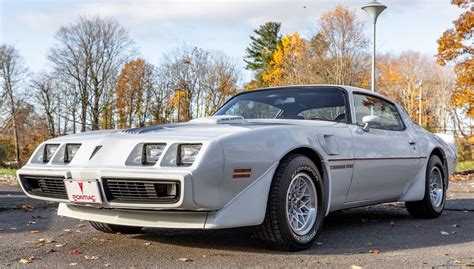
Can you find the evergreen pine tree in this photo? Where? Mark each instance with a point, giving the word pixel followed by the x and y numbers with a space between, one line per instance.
pixel 262 46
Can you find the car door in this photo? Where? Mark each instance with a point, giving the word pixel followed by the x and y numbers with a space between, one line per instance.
pixel 385 157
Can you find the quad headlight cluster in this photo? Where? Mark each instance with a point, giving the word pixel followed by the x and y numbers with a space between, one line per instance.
pixel 185 156
pixel 70 151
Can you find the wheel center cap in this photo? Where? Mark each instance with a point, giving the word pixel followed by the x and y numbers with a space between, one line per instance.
pixel 297 203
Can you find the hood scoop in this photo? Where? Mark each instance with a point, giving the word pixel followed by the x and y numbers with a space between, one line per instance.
pixel 221 119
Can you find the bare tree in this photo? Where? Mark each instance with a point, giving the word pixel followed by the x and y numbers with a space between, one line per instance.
pixel 89 53
pixel 420 85
pixel 219 84
pixel 342 36
pixel 198 78
pixel 46 97
pixel 12 72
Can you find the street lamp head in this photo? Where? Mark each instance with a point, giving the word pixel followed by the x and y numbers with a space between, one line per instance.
pixel 374 9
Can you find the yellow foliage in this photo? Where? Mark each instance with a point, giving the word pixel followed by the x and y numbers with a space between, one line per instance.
pixel 455 45
pixel 288 53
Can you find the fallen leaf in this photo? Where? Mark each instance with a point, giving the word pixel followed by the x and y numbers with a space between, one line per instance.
pixel 185 260
pixel 392 224
pixel 34 232
pixel 374 251
pixel 42 241
pixel 148 244
pixel 27 207
pixel 60 245
pixel 355 267
pixel 24 261
pixel 444 233
pixel 91 257
pixel 31 258
pixel 74 252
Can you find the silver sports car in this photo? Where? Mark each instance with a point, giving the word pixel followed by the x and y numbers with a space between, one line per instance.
pixel 280 159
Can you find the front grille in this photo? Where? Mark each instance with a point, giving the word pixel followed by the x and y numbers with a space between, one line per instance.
pixel 136 190
pixel 45 186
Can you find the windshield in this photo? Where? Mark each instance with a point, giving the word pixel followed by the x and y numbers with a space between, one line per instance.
pixel 312 103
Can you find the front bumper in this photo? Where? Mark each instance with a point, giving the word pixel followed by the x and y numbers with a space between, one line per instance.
pixel 183 179
pixel 246 208
pixel 140 218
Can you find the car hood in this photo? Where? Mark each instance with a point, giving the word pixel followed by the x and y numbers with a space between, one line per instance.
pixel 113 148
pixel 208 128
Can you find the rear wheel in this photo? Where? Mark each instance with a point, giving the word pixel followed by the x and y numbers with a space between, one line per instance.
pixel 433 203
pixel 112 228
pixel 295 206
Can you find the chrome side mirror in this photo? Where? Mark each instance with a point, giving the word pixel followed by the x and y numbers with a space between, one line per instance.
pixel 370 121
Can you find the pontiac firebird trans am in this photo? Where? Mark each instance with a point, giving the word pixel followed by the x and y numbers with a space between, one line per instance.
pixel 280 159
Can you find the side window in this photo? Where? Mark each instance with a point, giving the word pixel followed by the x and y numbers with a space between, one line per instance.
pixel 368 105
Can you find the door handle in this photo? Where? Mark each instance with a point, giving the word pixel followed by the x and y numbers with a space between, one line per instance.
pixel 411 142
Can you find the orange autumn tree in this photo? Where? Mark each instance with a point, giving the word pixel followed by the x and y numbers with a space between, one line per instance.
pixel 456 46
pixel 286 58
pixel 180 104
pixel 133 93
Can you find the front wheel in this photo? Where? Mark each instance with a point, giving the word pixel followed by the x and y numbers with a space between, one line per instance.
pixel 434 200
pixel 295 205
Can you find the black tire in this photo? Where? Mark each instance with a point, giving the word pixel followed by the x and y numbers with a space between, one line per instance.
pixel 276 230
pixel 112 228
pixel 424 209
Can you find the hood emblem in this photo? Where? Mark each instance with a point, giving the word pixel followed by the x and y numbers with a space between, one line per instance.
pixel 81 186
pixel 96 149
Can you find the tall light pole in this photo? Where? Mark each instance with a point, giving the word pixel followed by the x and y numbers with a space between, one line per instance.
pixel 374 9
pixel 420 104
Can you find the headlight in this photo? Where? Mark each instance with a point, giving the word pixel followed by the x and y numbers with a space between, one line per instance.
pixel 187 154
pixel 49 150
pixel 152 153
pixel 70 152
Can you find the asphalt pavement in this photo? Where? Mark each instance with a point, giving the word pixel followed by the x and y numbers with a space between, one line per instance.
pixel 32 235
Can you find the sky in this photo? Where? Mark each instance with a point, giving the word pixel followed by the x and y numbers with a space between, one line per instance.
pixel 159 26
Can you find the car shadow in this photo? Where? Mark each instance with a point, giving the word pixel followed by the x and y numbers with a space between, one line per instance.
pixel 386 227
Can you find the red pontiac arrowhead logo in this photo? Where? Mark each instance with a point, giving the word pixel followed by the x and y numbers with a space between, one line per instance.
pixel 81 186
